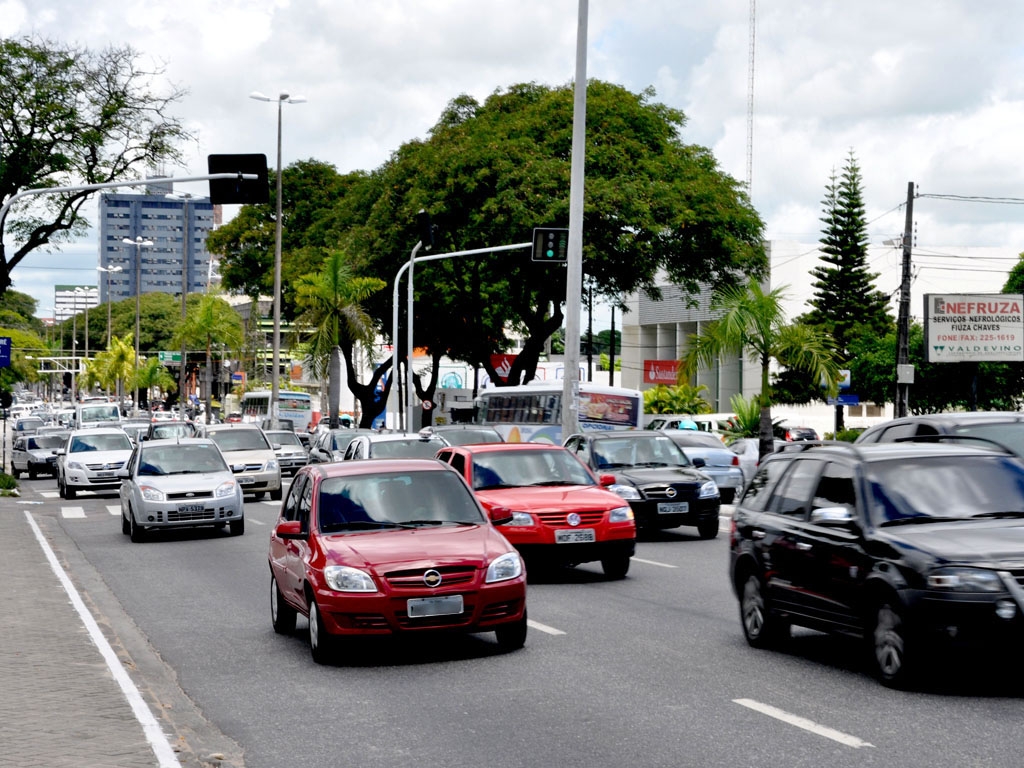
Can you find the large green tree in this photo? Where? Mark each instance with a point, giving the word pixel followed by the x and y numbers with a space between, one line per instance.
pixel 72 116
pixel 211 321
pixel 753 323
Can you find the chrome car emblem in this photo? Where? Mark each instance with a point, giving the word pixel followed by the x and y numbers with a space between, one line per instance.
pixel 670 492
pixel 573 519
pixel 189 495
pixel 432 578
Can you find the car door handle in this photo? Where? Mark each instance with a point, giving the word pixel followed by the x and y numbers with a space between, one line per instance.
pixel 803 546
pixel 757 534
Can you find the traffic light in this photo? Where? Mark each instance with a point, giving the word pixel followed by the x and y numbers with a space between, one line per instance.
pixel 426 230
pixel 550 245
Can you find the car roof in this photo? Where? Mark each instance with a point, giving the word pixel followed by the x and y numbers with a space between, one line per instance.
pixel 499 447
pixel 99 431
pixel 885 451
pixel 375 466
pixel 232 425
pixel 960 417
pixel 147 444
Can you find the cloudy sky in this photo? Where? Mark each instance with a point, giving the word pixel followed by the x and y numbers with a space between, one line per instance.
pixel 923 91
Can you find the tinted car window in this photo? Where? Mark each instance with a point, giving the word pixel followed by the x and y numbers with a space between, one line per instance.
pixel 100 443
pixel 835 488
pixel 794 490
pixel 1009 434
pixel 759 490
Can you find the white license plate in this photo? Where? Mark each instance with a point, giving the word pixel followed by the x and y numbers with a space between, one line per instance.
pixel 243 480
pixel 106 474
pixel 191 508
pixel 575 536
pixel 448 605
pixel 674 508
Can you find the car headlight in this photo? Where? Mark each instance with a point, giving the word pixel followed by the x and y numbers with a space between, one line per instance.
pixel 521 518
pixel 76 465
pixel 508 566
pixel 225 489
pixel 271 465
pixel 627 492
pixel 149 493
pixel 620 515
pixel 342 578
pixel 965 580
pixel 708 490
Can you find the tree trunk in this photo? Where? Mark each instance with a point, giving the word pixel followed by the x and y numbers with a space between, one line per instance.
pixel 766 443
pixel 334 387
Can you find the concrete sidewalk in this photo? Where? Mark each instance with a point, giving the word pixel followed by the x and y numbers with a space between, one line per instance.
pixel 65 698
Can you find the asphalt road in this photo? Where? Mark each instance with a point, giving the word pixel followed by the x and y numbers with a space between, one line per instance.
pixel 649 671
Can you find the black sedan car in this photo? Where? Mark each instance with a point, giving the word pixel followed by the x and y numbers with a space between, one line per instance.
pixel 914 548
pixel 663 487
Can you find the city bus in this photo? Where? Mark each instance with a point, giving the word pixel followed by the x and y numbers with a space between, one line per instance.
pixel 296 407
pixel 533 412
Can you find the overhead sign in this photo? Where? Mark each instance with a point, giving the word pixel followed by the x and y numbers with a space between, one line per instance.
pixel 169 358
pixel 963 327
pixel 5 351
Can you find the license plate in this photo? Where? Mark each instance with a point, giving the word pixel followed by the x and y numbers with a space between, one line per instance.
pixel 575 536
pixel 674 508
pixel 243 480
pixel 448 605
pixel 191 508
pixel 106 474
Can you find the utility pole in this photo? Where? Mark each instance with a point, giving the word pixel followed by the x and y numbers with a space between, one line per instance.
pixel 904 371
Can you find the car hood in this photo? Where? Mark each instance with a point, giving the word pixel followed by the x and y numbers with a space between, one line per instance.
pixel 415 548
pixel 41 454
pixel 175 484
pixel 551 498
pixel 641 476
pixel 717 457
pixel 997 543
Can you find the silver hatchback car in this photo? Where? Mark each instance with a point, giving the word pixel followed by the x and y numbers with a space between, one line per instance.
pixel 179 483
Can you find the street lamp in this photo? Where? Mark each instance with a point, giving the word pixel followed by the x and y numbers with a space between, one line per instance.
pixel 275 386
pixel 138 242
pixel 87 294
pixel 74 346
pixel 110 301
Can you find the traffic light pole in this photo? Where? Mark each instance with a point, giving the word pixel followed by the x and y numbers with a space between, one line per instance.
pixel 395 398
pixel 903 375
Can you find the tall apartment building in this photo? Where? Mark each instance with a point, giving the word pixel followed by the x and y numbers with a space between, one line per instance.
pixel 176 225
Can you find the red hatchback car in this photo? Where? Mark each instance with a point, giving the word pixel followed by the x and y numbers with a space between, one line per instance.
pixel 381 547
pixel 561 512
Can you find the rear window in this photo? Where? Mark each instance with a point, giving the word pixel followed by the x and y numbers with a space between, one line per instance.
pixel 240 440
pixel 1009 434
pixel 81 443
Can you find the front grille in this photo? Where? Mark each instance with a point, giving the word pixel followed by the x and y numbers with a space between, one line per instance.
pixel 593 517
pixel 433 621
pixel 660 492
pixel 180 517
pixel 190 495
pixel 413 578
pixel 252 468
pixel 108 466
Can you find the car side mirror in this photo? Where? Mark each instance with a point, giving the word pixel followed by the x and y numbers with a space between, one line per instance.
pixel 123 474
pixel 698 462
pixel 606 479
pixel 838 516
pixel 59 452
pixel 290 529
pixel 500 515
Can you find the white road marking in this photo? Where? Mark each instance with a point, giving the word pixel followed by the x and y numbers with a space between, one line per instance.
pixel 114 509
pixel 254 521
pixel 543 627
pixel 50 494
pixel 653 562
pixel 72 512
pixel 158 740
pixel 804 723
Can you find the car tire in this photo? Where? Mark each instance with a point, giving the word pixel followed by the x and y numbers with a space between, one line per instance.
pixel 60 487
pixel 616 566
pixel 888 639
pixel 69 492
pixel 728 495
pixel 761 627
pixel 277 495
pixel 126 527
pixel 259 496
pixel 708 529
pixel 321 643
pixel 31 474
pixel 512 637
pixel 15 472
pixel 282 615
pixel 237 527
pixel 135 531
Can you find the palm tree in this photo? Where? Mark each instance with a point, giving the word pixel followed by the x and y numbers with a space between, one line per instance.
pixel 151 373
pixel 114 366
pixel 210 321
pixel 753 321
pixel 332 314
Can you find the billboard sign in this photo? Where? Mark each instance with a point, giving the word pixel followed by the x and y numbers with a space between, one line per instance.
pixel 661 372
pixel 962 327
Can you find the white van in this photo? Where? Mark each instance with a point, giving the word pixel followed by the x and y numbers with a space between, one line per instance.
pixel 96 415
pixel 714 423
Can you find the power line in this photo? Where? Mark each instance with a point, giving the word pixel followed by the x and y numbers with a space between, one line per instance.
pixel 977 199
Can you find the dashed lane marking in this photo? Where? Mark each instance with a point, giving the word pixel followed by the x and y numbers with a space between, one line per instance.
pixel 543 627
pixel 653 562
pixel 804 723
pixel 50 494
pixel 114 509
pixel 72 512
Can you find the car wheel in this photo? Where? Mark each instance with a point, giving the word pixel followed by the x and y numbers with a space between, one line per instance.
pixel 321 644
pixel 60 487
pixel 15 472
pixel 259 495
pixel 282 615
pixel 728 495
pixel 237 527
pixel 889 645
pixel 761 627
pixel 512 637
pixel 277 495
pixel 31 474
pixel 69 492
pixel 126 527
pixel 136 531
pixel 708 529
pixel 616 567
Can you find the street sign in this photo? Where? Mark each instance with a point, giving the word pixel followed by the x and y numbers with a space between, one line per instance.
pixel 844 400
pixel 5 351
pixel 169 358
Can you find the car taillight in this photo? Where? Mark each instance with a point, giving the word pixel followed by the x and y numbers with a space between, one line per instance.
pixel 735 461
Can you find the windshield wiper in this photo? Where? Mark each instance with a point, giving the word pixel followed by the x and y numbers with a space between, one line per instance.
pixel 557 482
pixel 374 524
pixel 492 486
pixel 439 522
pixel 1007 513
pixel 655 464
pixel 918 519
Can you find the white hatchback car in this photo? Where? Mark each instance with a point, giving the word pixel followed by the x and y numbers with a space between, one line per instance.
pixel 91 459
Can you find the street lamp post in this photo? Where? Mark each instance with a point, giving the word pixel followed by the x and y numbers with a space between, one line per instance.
pixel 74 346
pixel 275 385
pixel 138 242
pixel 110 302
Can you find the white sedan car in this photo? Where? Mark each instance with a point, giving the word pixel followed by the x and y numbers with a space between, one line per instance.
pixel 91 459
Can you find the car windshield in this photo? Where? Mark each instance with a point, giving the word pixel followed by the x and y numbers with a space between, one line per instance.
pixel 1009 434
pixel 100 413
pixel 161 431
pixel 511 469
pixel 45 442
pixel 633 451
pixel 81 443
pixel 284 438
pixel 936 488
pixel 240 440
pixel 392 499
pixel 413 448
pixel 470 436
pixel 340 440
pixel 180 460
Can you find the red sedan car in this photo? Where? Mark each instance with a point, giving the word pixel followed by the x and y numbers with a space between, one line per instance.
pixel 383 547
pixel 561 512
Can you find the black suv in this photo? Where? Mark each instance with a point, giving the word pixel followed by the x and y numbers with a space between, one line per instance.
pixel 910 546
pixel 1003 427
pixel 663 487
